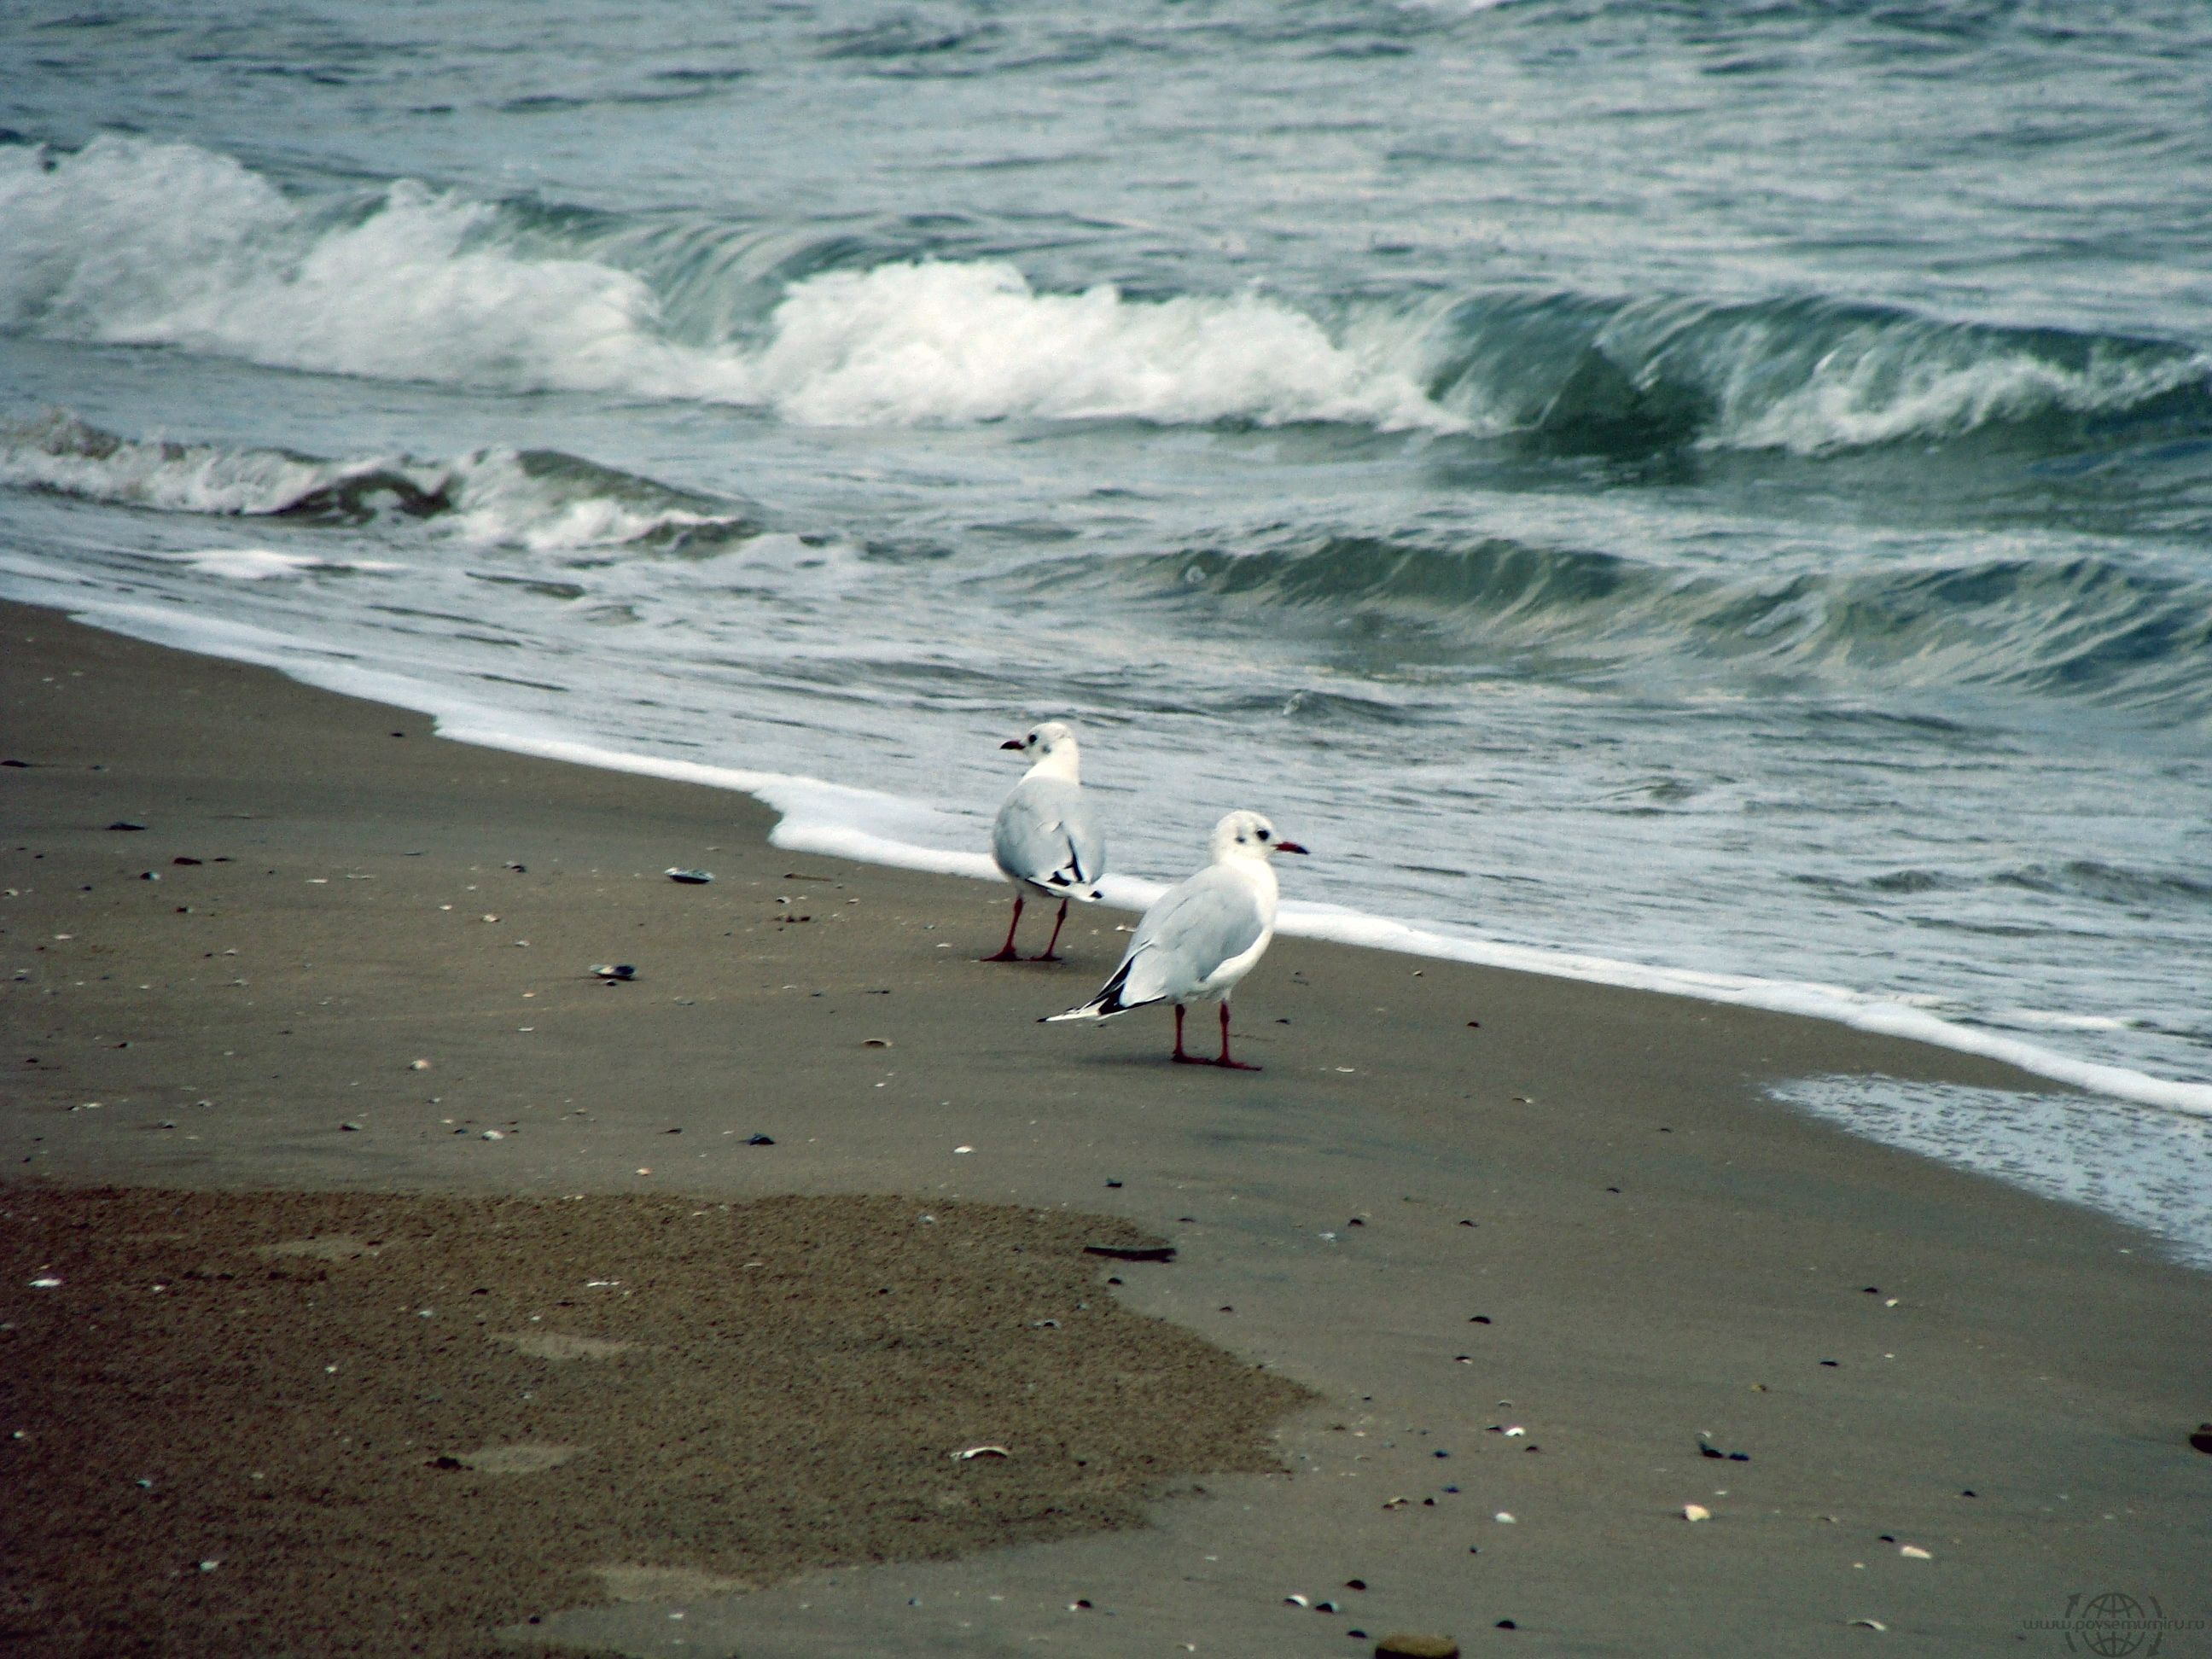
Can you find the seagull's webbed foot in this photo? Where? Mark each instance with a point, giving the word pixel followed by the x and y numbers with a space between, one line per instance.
pixel 1179 1056
pixel 1007 952
pixel 1224 1062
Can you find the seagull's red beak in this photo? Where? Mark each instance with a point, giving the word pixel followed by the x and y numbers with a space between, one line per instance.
pixel 1012 743
pixel 1288 847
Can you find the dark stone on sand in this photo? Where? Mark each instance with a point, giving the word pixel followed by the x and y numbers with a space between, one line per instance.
pixel 762 1140
pixel 2203 1438
pixel 1133 1251
pixel 1405 1646
pixel 126 823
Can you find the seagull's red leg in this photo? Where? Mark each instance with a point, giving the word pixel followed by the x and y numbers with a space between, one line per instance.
pixel 1056 927
pixel 1180 1058
pixel 1232 1064
pixel 1007 952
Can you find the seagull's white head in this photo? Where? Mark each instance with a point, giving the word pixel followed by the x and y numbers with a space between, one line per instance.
pixel 1049 742
pixel 1247 835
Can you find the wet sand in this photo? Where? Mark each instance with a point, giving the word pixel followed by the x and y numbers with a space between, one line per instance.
pixel 1575 1217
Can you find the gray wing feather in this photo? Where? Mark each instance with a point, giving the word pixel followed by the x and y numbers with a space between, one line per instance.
pixel 1195 926
pixel 1046 834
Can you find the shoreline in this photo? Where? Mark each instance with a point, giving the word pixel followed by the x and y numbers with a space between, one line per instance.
pixel 1454 1186
pixel 803 825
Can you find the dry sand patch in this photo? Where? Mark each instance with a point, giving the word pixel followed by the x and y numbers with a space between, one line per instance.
pixel 231 1431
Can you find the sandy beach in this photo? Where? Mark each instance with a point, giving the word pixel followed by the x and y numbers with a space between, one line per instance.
pixel 1469 1286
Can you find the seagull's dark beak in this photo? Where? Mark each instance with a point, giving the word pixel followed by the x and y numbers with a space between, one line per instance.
pixel 1012 743
pixel 1288 847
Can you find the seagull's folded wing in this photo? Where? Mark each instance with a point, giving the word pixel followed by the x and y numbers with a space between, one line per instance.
pixel 1037 836
pixel 1196 927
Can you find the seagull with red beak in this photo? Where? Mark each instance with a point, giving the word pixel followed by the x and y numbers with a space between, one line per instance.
pixel 1045 839
pixel 1202 935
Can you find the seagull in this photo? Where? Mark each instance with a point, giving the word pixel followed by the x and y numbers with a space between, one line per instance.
pixel 1045 839
pixel 1202 935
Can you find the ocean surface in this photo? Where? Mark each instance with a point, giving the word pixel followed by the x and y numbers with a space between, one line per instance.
pixel 1708 495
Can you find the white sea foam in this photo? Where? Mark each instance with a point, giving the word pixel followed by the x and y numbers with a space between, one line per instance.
pixel 2148 1168
pixel 133 242
pixel 1888 1016
pixel 937 340
pixel 1907 383
pixel 254 564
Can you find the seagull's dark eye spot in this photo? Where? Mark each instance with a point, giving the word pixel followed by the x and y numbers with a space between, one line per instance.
pixel 1264 834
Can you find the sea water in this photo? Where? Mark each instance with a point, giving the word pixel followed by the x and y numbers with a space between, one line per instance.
pixel 1699 495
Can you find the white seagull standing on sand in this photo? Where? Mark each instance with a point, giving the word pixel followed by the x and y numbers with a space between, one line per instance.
pixel 1202 935
pixel 1045 839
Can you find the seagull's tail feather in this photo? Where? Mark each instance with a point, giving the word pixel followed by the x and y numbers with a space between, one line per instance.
pixel 1107 1004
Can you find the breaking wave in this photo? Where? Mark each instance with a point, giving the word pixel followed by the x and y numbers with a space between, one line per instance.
pixel 129 241
pixel 542 500
pixel 1806 375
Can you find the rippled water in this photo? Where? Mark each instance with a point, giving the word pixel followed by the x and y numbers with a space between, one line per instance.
pixel 1722 489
